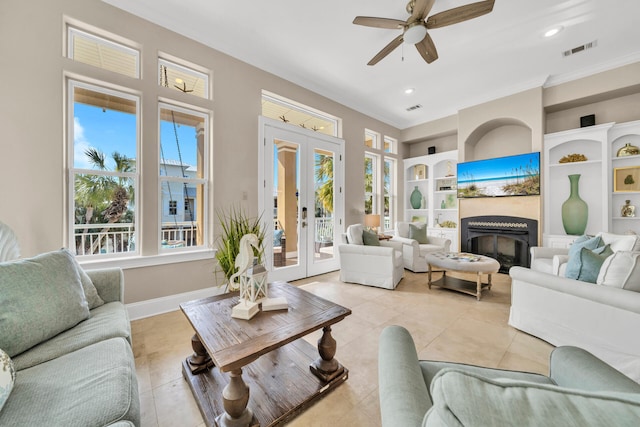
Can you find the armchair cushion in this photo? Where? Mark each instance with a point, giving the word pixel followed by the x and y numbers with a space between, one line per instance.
pixel 354 234
pixel 458 394
pixel 370 238
pixel 621 242
pixel 418 233
pixel 41 297
pixel 621 270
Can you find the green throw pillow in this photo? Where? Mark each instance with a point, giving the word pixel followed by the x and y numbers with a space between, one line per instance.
pixel 40 297
pixel 90 291
pixel 370 238
pixel 419 234
pixel 591 261
pixel 573 264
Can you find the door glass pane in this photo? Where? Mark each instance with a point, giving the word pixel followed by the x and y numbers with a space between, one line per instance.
pixel 285 203
pixel 323 203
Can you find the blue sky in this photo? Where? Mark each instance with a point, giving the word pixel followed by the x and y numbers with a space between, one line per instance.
pixel 112 130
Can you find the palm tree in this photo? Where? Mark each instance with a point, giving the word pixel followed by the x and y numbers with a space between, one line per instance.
pixel 110 195
pixel 368 184
pixel 324 174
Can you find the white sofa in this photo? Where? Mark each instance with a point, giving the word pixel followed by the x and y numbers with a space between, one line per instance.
pixel 414 253
pixel 602 318
pixel 379 266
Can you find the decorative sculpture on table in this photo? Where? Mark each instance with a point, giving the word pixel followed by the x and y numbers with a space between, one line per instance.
pixel 252 280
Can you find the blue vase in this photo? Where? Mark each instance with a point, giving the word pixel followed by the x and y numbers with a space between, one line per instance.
pixel 416 198
pixel 575 212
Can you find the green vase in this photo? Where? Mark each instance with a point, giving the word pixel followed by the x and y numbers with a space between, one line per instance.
pixel 416 198
pixel 575 211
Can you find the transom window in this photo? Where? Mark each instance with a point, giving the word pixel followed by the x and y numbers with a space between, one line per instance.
pixel 288 111
pixel 184 79
pixel 102 53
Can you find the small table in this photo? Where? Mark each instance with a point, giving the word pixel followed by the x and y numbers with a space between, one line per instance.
pixel 464 263
pixel 269 349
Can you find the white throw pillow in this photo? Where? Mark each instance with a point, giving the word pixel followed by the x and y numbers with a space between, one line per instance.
pixel 354 234
pixel 620 242
pixel 621 270
pixel 7 377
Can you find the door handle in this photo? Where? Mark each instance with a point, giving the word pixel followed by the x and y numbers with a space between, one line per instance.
pixel 304 213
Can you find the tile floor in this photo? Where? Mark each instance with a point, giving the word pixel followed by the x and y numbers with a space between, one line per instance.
pixel 445 325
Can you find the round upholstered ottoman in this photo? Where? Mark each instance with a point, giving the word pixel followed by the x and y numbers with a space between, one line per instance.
pixel 465 263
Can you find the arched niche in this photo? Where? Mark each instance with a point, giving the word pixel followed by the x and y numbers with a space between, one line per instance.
pixel 498 138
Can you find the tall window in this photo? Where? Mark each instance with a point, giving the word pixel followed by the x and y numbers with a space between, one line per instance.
pixel 370 183
pixel 389 193
pixel 380 177
pixel 183 154
pixel 104 176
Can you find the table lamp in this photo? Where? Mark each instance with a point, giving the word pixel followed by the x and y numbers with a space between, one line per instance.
pixel 372 221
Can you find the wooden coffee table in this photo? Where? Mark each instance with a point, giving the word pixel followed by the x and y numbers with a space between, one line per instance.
pixel 464 263
pixel 283 374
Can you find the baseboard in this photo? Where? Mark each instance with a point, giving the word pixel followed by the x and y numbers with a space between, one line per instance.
pixel 152 307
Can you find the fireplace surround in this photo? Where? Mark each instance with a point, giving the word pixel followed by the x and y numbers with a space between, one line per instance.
pixel 505 238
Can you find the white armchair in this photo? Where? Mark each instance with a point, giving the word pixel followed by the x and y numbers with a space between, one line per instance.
pixel 414 253
pixel 379 266
pixel 554 260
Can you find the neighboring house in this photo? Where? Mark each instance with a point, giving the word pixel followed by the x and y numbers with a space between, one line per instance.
pixel 178 199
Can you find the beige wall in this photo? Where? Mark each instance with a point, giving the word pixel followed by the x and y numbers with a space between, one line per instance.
pixel 32 115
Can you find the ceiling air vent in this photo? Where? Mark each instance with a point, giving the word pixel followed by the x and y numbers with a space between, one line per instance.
pixel 580 48
pixel 414 107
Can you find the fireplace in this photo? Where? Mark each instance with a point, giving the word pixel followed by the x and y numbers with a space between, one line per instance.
pixel 505 238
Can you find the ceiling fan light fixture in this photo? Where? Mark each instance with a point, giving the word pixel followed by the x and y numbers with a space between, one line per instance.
pixel 415 33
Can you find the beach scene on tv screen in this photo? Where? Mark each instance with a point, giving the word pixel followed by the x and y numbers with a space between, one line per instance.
pixel 504 176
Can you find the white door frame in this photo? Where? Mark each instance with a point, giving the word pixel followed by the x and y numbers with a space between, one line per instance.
pixel 308 140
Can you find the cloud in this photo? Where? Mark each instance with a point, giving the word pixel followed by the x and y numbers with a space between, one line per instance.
pixel 80 145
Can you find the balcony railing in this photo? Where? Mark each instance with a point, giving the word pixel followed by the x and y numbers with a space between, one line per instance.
pixel 91 239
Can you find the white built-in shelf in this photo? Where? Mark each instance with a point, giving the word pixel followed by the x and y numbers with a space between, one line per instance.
pixel 437 168
pixel 571 164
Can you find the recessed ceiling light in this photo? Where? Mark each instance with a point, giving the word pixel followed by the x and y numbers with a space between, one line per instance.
pixel 553 31
pixel 179 81
pixel 409 91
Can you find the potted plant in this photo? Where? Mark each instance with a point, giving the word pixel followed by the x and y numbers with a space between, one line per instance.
pixel 235 223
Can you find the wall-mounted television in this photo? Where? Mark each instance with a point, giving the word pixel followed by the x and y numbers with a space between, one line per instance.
pixel 517 175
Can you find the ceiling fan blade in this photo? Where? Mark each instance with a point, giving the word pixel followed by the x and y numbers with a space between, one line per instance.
pixel 427 49
pixel 369 21
pixel 386 50
pixel 459 14
pixel 421 9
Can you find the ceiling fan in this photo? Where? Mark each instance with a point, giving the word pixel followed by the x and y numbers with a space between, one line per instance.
pixel 414 29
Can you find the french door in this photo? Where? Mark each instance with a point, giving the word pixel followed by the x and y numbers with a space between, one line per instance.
pixel 301 200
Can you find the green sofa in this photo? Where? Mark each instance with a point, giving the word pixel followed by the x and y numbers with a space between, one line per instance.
pixel 581 390
pixel 69 339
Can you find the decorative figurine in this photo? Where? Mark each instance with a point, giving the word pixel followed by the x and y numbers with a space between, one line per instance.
pixel 628 210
